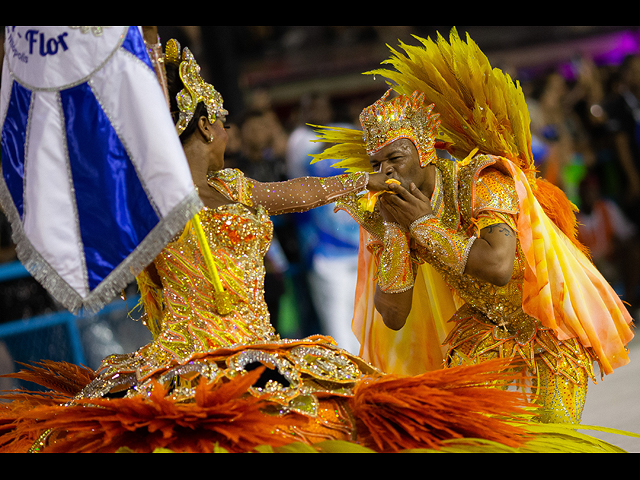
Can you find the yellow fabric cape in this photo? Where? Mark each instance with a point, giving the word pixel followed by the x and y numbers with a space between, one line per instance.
pixel 562 287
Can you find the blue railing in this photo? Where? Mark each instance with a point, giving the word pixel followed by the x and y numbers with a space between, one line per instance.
pixel 71 322
pixel 12 270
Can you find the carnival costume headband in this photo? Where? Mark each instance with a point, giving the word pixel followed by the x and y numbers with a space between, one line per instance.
pixel 195 89
pixel 403 117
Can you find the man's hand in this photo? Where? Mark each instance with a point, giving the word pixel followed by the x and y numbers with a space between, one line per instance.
pixel 406 206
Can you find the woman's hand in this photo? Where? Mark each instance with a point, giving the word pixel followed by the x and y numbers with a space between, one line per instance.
pixel 405 206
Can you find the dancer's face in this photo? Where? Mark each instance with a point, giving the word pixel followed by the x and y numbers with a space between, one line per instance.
pixel 400 160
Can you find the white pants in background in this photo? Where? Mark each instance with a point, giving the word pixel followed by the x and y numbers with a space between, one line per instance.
pixel 333 287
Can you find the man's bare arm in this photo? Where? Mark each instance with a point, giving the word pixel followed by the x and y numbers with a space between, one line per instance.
pixel 393 307
pixel 492 255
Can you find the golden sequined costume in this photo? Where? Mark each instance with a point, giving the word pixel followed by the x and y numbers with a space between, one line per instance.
pixel 457 319
pixel 183 314
pixel 557 314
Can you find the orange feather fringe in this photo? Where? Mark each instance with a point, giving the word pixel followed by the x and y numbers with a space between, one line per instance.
pixel 396 413
pixel 64 379
pixel 221 415
pixel 393 413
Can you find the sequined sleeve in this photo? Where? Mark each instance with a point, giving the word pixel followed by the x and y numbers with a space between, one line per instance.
pixel 445 246
pixel 301 194
pixel 296 195
pixel 494 201
pixel 395 269
pixel 484 188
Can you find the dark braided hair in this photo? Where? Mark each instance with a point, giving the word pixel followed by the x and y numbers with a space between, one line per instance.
pixel 174 86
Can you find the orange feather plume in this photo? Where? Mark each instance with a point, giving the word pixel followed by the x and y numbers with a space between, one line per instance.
pixel 221 415
pixel 396 413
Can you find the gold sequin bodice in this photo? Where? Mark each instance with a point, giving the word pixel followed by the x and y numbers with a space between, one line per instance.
pixel 189 322
pixel 238 239
pixel 311 376
pixel 183 314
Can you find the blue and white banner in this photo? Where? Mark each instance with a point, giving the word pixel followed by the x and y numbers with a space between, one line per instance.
pixel 94 178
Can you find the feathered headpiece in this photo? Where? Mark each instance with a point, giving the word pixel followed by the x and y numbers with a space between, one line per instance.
pixel 482 110
pixel 479 106
pixel 196 89
pixel 406 116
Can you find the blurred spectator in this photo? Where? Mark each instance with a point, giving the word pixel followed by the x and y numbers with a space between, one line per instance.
pixel 623 112
pixel 314 109
pixel 260 101
pixel 591 93
pixel 555 125
pixel 259 157
pixel 611 238
pixel 328 240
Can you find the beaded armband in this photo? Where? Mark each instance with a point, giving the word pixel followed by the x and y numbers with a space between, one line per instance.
pixel 449 248
pixel 395 270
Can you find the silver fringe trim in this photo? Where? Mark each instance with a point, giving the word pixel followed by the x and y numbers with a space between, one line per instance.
pixel 120 277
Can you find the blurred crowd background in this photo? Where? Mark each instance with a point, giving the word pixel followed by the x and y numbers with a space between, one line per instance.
pixel 582 85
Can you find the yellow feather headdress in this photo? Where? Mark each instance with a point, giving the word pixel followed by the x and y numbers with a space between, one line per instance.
pixel 403 117
pixel 479 106
pixel 406 116
pixel 481 110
